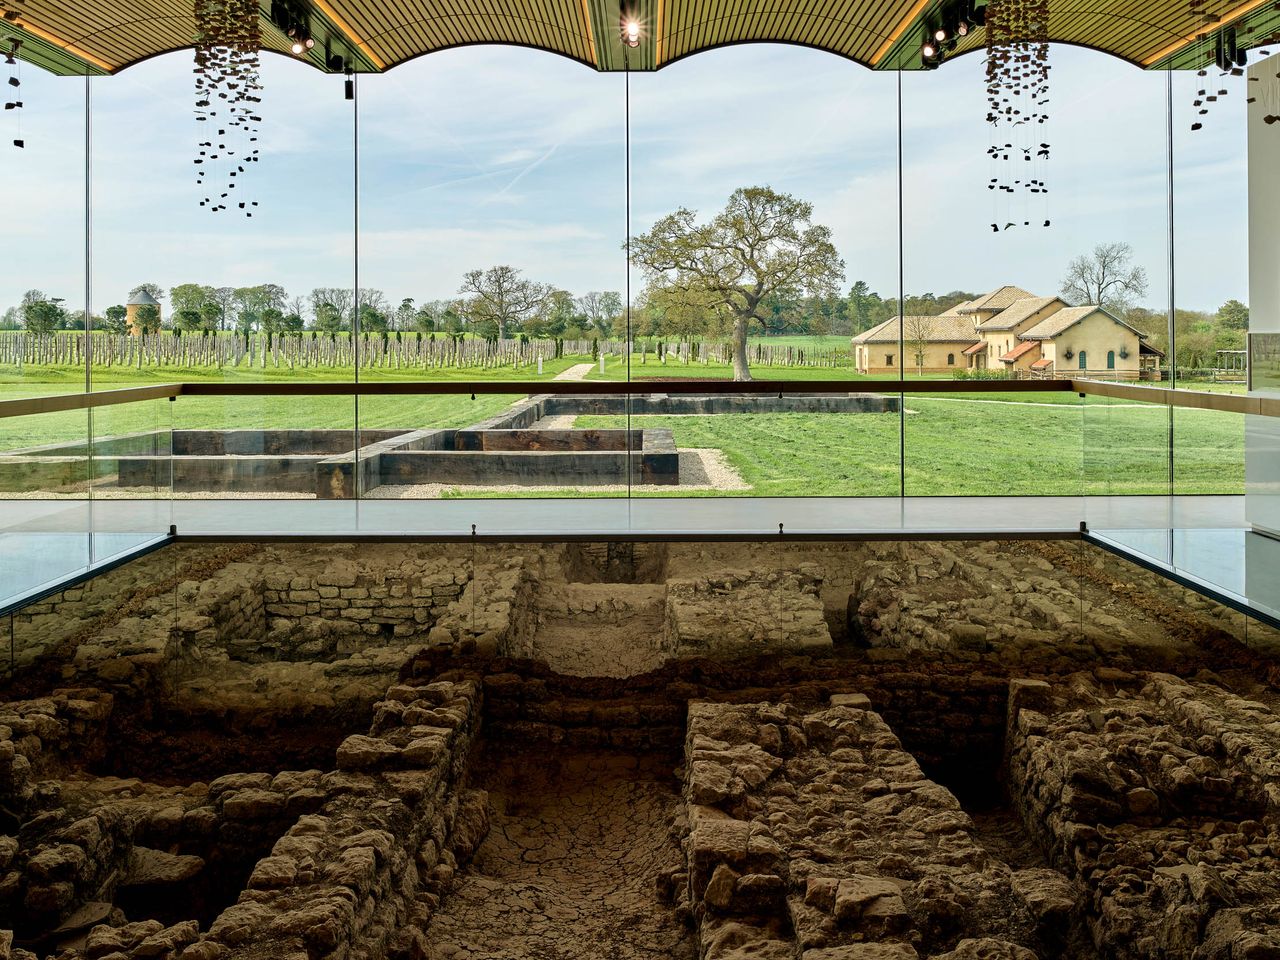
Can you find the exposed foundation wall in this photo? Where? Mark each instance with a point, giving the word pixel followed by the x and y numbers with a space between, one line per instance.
pixel 1160 795
pixel 812 833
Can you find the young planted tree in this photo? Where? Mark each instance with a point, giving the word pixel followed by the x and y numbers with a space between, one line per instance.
pixel 1105 277
pixel 916 339
pixel 762 245
pixel 499 298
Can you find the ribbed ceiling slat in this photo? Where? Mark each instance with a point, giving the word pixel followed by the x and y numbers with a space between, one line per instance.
pixel 378 34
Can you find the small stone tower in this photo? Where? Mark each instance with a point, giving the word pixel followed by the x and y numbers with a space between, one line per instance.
pixel 140 299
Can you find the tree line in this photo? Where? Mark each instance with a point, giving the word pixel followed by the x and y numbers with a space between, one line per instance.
pixel 759 265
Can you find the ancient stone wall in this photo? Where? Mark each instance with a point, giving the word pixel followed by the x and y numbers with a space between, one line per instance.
pixel 745 611
pixel 1161 796
pixel 813 834
pixel 356 858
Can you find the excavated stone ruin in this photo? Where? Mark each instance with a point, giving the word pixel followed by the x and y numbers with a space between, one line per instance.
pixel 857 751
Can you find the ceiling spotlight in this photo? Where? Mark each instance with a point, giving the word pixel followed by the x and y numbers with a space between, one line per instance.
pixel 940 34
pixel 297 47
pixel 631 33
pixel 962 28
pixel 929 50
pixel 309 43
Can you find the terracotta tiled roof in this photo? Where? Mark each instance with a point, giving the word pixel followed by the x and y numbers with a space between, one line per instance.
pixel 975 348
pixel 1057 323
pixel 997 299
pixel 1042 364
pixel 1021 350
pixel 1019 312
pixel 940 329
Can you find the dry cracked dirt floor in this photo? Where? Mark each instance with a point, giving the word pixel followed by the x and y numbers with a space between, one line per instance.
pixel 569 868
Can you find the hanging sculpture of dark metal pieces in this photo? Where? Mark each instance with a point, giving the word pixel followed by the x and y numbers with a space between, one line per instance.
pixel 1017 36
pixel 228 94
pixel 1224 54
pixel 10 45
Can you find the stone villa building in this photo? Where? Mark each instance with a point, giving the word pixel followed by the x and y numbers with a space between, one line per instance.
pixel 1014 330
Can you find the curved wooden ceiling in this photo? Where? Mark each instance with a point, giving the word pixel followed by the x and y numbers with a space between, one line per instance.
pixel 100 37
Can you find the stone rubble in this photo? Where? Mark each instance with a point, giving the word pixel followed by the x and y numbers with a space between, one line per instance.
pixel 188 769
pixel 813 834
pixel 1162 797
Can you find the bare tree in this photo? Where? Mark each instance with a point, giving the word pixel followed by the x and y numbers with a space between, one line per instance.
pixel 1105 277
pixel 916 339
pixel 332 307
pixel 601 308
pixel 501 296
pixel 762 245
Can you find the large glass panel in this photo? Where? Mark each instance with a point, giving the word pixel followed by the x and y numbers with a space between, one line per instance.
pixel 493 214
pixel 132 475
pixel 1208 451
pixel 196 294
pixel 1126 452
pixel 994 444
pixel 44 505
pixel 260 451
pixel 42 251
pixel 820 132
pixel 1211 242
pixel 1010 233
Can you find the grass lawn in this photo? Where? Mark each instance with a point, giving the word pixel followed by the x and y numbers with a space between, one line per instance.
pixel 969 449
pixel 960 444
pixel 193 413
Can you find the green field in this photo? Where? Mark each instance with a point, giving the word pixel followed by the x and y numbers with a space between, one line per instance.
pixel 960 448
pixel 961 444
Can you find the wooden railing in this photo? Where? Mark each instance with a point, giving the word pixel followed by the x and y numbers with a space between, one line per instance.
pixel 1191 399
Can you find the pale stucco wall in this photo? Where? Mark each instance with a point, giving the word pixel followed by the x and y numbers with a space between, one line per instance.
pixel 871 358
pixel 1095 335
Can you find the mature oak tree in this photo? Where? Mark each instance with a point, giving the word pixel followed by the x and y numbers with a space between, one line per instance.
pixel 1105 278
pixel 762 245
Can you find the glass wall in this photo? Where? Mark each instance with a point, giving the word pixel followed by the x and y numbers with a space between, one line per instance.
pixel 462 222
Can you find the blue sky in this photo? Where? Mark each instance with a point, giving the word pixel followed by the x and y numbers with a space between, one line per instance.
pixel 480 156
